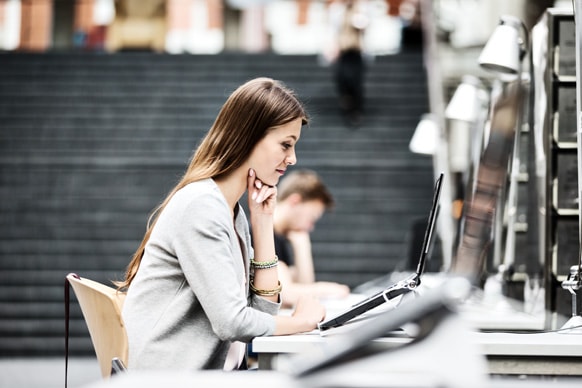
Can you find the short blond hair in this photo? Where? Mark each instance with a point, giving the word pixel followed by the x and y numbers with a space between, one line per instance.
pixel 308 185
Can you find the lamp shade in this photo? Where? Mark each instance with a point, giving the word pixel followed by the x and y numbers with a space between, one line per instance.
pixel 464 105
pixel 426 136
pixel 504 49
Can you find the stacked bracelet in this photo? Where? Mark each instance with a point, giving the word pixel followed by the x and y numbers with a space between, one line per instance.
pixel 265 264
pixel 272 292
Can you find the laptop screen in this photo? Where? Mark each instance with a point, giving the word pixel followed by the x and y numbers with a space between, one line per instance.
pixel 399 288
pixel 430 228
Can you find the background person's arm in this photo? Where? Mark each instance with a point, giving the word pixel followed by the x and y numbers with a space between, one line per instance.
pixel 303 269
pixel 292 291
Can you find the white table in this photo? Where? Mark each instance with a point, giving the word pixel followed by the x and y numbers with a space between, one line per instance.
pixel 533 353
pixel 507 353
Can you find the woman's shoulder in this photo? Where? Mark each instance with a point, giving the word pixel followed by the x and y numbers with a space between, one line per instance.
pixel 200 194
pixel 204 186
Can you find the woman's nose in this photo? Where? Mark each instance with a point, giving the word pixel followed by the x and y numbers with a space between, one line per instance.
pixel 291 159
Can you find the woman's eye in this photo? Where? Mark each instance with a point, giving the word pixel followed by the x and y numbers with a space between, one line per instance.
pixel 287 146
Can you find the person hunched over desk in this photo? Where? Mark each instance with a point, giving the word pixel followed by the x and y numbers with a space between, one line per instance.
pixel 196 288
pixel 302 200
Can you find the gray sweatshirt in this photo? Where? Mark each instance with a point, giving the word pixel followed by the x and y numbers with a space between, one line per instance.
pixel 190 297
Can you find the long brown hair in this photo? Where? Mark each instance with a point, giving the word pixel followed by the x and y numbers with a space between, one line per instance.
pixel 245 118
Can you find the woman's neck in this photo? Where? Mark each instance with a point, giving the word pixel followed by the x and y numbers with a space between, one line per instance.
pixel 232 187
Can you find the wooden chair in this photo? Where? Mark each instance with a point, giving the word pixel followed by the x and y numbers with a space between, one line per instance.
pixel 101 306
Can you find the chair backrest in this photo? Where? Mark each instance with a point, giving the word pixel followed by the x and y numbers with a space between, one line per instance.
pixel 101 306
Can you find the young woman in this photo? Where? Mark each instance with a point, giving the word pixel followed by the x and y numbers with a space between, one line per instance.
pixel 196 289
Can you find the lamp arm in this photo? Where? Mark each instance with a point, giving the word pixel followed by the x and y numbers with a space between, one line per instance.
pixel 525 44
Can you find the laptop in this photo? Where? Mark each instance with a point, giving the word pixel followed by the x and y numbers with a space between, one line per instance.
pixel 399 288
pixel 427 311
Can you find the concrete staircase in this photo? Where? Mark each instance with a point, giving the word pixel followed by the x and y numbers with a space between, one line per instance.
pixel 90 143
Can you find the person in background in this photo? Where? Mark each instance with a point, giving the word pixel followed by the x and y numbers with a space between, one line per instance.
pixel 302 200
pixel 197 290
pixel 349 66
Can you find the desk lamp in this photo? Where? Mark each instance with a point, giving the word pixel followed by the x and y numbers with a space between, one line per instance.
pixel 425 138
pixel 462 113
pixel 503 55
pixel 505 50
pixel 465 118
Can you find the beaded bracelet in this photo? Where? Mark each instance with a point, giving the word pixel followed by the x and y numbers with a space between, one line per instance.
pixel 265 264
pixel 272 292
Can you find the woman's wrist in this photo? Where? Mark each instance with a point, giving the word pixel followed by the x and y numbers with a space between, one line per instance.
pixel 261 222
pixel 263 240
pixel 265 264
pixel 307 324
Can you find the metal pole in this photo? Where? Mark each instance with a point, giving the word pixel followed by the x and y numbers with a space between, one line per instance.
pixel 437 107
pixel 578 8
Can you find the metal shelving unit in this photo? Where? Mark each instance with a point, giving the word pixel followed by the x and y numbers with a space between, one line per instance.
pixel 561 191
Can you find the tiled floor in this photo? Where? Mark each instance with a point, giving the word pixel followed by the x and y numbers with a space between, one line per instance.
pixel 47 373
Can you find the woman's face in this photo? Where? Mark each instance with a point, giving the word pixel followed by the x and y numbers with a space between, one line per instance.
pixel 273 153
